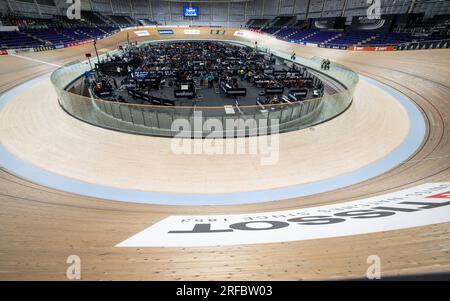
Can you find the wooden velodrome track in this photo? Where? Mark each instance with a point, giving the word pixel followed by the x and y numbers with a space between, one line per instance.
pixel 40 227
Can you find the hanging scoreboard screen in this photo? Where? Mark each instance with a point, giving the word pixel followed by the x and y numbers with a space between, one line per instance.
pixel 190 11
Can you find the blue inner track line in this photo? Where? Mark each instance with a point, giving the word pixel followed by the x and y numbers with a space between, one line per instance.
pixel 40 176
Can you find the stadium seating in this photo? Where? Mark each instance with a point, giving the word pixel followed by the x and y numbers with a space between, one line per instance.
pixel 147 22
pixel 350 38
pixel 422 30
pixel 15 39
pixel 91 17
pixel 300 35
pixel 286 32
pixel 122 21
pixel 38 33
pixel 256 23
pixel 271 30
pixel 50 36
pixel 320 37
pixel 57 30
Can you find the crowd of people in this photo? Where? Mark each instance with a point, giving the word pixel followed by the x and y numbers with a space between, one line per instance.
pixel 205 63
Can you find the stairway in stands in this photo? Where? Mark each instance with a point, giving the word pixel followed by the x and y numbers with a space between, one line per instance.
pixel 367 41
pixel 307 37
pixel 105 19
pixel 333 38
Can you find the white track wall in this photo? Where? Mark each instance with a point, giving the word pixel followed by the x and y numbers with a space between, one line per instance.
pixel 234 13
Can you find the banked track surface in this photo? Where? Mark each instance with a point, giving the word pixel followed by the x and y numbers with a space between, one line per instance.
pixel 41 226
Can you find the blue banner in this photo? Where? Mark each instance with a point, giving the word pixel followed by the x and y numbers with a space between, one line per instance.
pixel 165 31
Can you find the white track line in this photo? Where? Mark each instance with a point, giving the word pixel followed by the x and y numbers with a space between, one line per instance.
pixel 35 60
